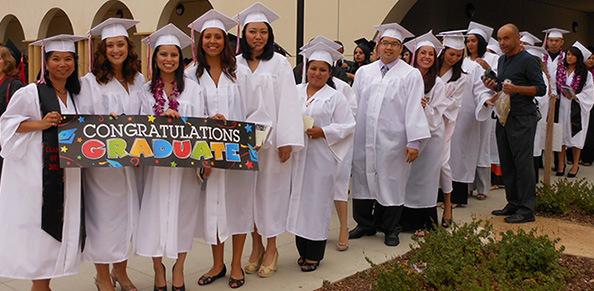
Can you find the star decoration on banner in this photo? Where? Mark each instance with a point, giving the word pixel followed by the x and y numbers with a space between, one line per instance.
pixel 79 140
pixel 64 149
pixel 173 164
pixel 81 119
pixel 79 158
pixel 129 119
pixel 248 128
pixel 249 165
pixel 151 118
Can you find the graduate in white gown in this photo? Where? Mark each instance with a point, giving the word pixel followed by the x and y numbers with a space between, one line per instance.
pixel 576 97
pixel 476 44
pixel 343 177
pixel 169 208
pixel 40 203
pixel 226 205
pixel 314 172
pixel 450 71
pixel 420 200
pixel 273 76
pixel 114 86
pixel 391 125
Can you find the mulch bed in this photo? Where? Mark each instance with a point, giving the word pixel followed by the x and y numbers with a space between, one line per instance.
pixel 581 268
pixel 575 215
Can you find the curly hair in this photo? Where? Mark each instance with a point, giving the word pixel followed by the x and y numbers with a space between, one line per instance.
pixel 10 64
pixel 103 70
pixel 228 63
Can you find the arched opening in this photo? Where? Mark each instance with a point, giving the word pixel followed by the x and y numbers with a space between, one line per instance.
pixel 181 13
pixel 11 29
pixel 55 22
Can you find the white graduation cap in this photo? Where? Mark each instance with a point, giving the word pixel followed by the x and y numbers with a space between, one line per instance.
pixel 585 51
pixel 59 43
pixel 494 46
pixel 213 19
pixel 453 39
pixel 393 30
pixel 482 30
pixel 113 27
pixel 256 13
pixel 427 39
pixel 555 32
pixel 168 35
pixel 321 52
pixel 324 40
pixel 529 38
pixel 536 51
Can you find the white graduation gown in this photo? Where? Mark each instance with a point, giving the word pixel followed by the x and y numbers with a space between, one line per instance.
pixel 465 147
pixel 552 69
pixel 111 208
pixel 487 126
pixel 274 79
pixel 314 168
pixel 341 190
pixel 27 251
pixel 541 126
pixel 586 99
pixel 423 182
pixel 453 91
pixel 226 206
pixel 169 208
pixel 389 116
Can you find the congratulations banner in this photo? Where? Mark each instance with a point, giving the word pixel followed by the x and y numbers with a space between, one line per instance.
pixel 134 140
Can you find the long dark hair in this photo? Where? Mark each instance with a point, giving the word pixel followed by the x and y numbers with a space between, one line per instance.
pixel 481 46
pixel 330 82
pixel 72 82
pixel 103 70
pixel 580 67
pixel 429 78
pixel 228 63
pixel 456 69
pixel 179 72
pixel 246 51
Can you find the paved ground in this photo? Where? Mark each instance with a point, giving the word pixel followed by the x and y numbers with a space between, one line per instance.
pixel 336 265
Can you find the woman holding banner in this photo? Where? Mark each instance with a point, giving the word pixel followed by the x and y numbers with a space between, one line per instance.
pixel 40 203
pixel 169 209
pixel 226 206
pixel 113 87
pixel 272 73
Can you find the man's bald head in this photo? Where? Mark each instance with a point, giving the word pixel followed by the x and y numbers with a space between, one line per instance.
pixel 509 39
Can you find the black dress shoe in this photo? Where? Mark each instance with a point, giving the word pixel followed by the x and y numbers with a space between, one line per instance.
pixel 391 239
pixel 506 211
pixel 573 175
pixel 519 218
pixel 205 279
pixel 359 232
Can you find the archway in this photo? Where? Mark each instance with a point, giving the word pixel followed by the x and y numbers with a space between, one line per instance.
pixel 55 22
pixel 11 28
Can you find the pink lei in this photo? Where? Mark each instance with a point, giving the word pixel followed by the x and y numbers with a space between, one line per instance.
pixel 562 78
pixel 158 93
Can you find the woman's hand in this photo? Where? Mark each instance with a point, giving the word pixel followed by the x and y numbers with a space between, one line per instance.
pixel 425 101
pixel 51 119
pixel 483 63
pixel 315 132
pixel 171 113
pixel 284 153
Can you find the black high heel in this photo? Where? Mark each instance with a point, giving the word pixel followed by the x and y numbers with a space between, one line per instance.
pixel 570 175
pixel 310 267
pixel 205 280
pixel 562 173
pixel 173 288
pixel 164 288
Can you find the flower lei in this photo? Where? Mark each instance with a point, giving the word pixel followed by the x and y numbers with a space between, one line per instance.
pixel 160 100
pixel 562 78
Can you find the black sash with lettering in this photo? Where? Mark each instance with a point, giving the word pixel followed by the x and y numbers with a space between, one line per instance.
pixel 575 115
pixel 52 210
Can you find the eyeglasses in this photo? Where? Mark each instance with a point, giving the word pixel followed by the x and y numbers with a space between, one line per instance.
pixel 390 43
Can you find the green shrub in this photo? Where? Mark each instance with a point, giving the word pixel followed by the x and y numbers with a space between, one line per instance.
pixel 469 258
pixel 566 195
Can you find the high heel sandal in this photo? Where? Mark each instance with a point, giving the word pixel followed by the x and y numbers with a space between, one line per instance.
pixel 205 279
pixel 236 283
pixel 163 288
pixel 268 271
pixel 562 173
pixel 310 267
pixel 123 287
pixel 253 267
pixel 99 287
pixel 573 175
pixel 173 288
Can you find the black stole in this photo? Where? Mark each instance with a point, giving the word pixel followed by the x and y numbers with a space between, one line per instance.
pixel 575 114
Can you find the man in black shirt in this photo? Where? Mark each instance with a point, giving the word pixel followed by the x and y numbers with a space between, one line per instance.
pixel 515 139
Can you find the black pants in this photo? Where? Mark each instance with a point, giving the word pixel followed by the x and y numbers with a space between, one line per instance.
pixel 418 218
pixel 368 213
pixel 459 193
pixel 537 161
pixel 312 250
pixel 515 142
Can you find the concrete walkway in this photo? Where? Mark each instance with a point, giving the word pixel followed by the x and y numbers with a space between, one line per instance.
pixel 335 266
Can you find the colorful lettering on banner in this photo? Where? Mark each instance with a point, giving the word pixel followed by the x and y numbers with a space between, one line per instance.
pixel 134 140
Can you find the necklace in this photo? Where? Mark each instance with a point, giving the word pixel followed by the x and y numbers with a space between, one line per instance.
pixel 62 92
